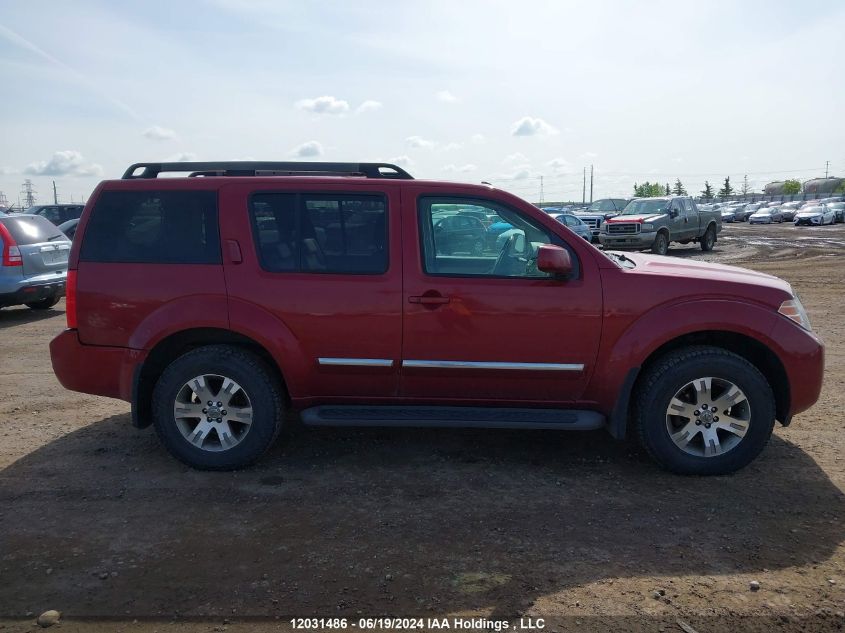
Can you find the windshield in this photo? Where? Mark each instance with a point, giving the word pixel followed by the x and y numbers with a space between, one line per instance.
pixel 646 207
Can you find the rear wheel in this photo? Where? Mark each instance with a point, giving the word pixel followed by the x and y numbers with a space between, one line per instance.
pixel 217 408
pixel 661 244
pixel 709 239
pixel 704 411
pixel 44 304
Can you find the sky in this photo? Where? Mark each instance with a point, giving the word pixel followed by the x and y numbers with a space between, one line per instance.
pixel 524 95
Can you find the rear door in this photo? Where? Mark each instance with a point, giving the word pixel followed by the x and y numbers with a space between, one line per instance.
pixel 44 248
pixel 324 261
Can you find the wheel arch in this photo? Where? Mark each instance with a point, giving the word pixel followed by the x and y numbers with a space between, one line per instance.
pixel 747 347
pixel 178 343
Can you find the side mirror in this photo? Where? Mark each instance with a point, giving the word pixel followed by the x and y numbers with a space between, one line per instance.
pixel 673 213
pixel 554 260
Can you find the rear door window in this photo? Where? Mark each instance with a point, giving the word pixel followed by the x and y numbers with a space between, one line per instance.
pixel 31 229
pixel 322 233
pixel 173 227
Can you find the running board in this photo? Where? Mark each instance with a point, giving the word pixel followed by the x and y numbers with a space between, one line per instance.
pixel 453 417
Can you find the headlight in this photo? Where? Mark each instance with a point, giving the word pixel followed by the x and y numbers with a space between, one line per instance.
pixel 603 227
pixel 647 227
pixel 792 309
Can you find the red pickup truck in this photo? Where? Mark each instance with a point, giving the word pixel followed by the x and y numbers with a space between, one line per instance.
pixel 217 302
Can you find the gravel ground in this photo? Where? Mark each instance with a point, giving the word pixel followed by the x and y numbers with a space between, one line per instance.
pixel 101 524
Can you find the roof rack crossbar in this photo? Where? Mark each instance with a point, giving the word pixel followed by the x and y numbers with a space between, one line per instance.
pixel 260 168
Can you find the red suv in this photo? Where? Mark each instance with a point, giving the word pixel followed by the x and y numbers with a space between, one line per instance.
pixel 214 303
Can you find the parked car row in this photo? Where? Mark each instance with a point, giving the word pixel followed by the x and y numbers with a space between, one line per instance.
pixel 809 212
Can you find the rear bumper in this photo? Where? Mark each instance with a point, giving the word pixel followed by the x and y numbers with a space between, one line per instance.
pixel 102 371
pixel 30 292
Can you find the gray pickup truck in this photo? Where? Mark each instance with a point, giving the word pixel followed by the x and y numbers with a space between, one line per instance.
pixel 654 223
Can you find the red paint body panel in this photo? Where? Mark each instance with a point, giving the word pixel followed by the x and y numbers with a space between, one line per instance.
pixel 609 319
pixel 105 371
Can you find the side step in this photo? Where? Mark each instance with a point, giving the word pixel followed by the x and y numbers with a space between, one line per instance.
pixel 453 417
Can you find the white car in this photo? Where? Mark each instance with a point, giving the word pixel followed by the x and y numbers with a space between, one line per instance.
pixel 815 216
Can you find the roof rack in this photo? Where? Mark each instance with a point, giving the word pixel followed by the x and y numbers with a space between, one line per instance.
pixel 260 168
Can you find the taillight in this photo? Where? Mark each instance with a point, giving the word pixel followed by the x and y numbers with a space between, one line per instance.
pixel 70 299
pixel 11 252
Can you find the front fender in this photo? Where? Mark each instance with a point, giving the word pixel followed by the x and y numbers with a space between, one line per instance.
pixel 627 343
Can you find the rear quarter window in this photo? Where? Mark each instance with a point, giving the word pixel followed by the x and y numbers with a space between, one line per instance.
pixel 31 229
pixel 154 227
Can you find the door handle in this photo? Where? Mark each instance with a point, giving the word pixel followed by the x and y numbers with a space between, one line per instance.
pixel 429 300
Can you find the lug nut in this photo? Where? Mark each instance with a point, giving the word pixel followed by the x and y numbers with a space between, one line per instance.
pixel 707 426
pixel 697 412
pixel 210 403
pixel 205 410
pixel 713 409
pixel 715 418
pixel 219 404
pixel 224 412
pixel 698 422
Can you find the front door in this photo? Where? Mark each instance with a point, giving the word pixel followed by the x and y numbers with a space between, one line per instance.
pixel 489 326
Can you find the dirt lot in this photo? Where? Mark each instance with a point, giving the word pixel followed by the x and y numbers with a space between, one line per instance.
pixel 100 523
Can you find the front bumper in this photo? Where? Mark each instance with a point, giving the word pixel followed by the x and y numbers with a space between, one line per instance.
pixel 817 221
pixel 94 369
pixel 32 292
pixel 802 354
pixel 638 241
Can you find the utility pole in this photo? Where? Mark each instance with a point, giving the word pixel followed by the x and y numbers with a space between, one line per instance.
pixel 584 188
pixel 591 184
pixel 826 167
pixel 55 195
pixel 541 189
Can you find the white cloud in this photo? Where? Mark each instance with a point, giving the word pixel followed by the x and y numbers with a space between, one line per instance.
pixel 402 161
pixel 451 147
pixel 446 97
pixel 588 156
pixel 324 105
pixel 65 163
pixel 158 133
pixel 368 106
pixel 463 168
pixel 520 174
pixel 418 142
pixel 516 157
pixel 529 126
pixel 560 165
pixel 308 149
pixel 477 138
pixel 181 157
pixel 5 171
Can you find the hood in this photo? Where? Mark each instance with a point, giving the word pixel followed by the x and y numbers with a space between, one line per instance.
pixel 809 214
pixel 755 285
pixel 637 218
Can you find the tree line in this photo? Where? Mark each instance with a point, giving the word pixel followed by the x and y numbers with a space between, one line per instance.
pixel 653 189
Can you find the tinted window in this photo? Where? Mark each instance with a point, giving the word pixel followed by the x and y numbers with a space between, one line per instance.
pixel 320 233
pixel 175 227
pixel 31 229
pixel 53 214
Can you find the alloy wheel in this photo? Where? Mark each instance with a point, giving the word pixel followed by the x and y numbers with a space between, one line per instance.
pixel 213 412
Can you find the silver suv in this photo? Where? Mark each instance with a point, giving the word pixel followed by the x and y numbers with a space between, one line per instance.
pixel 33 262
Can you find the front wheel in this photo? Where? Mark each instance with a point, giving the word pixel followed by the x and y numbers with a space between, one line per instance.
pixel 217 407
pixel 709 239
pixel 661 244
pixel 704 411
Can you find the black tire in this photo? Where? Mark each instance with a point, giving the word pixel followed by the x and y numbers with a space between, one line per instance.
pixel 709 239
pixel 257 381
pixel 662 381
pixel 44 304
pixel 661 244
